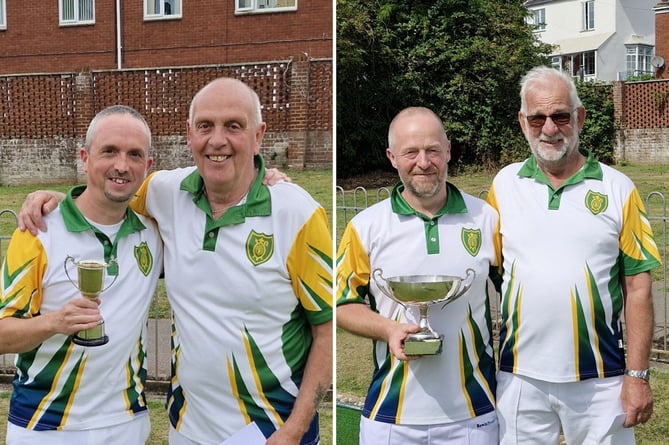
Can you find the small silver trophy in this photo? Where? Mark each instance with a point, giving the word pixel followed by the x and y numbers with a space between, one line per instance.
pixel 91 278
pixel 422 291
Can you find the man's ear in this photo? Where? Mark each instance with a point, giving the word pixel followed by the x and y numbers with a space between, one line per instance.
pixel 391 157
pixel 83 154
pixel 523 122
pixel 581 118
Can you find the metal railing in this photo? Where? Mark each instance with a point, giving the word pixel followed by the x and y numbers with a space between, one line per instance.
pixel 656 206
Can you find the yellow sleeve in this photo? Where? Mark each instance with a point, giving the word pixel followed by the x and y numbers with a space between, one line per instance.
pixel 497 271
pixel 22 273
pixel 309 264
pixel 353 268
pixel 138 203
pixel 637 244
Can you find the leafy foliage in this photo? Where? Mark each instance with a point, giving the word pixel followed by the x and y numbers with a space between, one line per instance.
pixel 640 78
pixel 598 133
pixel 461 58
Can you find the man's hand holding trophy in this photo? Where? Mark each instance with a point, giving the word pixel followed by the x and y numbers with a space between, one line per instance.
pixel 423 291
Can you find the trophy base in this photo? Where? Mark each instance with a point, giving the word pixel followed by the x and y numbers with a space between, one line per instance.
pixel 430 346
pixel 91 337
pixel 90 341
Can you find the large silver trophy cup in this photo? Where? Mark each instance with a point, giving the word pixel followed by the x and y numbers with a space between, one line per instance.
pixel 90 282
pixel 423 291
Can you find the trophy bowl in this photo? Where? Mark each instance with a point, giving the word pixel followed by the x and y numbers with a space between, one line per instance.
pixel 423 291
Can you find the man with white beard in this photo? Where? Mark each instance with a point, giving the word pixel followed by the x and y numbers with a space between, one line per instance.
pixel 577 251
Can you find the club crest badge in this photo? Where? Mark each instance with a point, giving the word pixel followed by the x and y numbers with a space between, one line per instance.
pixel 259 247
pixel 471 239
pixel 596 202
pixel 144 258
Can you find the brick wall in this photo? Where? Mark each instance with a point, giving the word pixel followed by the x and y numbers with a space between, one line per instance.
pixel 208 32
pixel 43 118
pixel 642 121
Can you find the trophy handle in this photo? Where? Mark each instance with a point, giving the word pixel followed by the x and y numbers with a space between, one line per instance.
pixel 382 283
pixel 469 273
pixel 377 275
pixel 113 261
pixel 67 260
pixel 462 288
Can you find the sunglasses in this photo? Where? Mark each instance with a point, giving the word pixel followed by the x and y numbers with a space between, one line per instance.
pixel 538 120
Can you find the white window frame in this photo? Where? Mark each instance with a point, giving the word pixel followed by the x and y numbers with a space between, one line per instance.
pixel 577 63
pixel 75 5
pixel 263 6
pixel 175 13
pixel 539 19
pixel 591 58
pixel 589 15
pixel 637 59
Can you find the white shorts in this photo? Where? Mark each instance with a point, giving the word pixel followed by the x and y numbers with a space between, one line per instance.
pixel 135 432
pixel 176 438
pixel 481 430
pixel 532 411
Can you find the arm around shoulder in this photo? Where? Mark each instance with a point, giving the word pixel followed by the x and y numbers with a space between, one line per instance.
pixel 37 205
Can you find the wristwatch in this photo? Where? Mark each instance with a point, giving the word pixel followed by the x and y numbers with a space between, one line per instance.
pixel 643 374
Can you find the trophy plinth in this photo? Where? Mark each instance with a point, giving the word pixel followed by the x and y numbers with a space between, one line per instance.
pixel 423 291
pixel 90 282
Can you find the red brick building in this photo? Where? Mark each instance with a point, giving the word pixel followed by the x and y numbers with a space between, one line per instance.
pixel 81 35
pixel 662 38
pixel 62 61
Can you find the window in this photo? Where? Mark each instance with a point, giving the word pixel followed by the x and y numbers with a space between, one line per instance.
pixel 587 64
pixel 539 19
pixel 76 12
pixel 160 9
pixel 638 59
pixel 580 65
pixel 3 17
pixel 589 15
pixel 251 6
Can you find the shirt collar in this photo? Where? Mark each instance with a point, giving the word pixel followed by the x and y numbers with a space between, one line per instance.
pixel 75 221
pixel 591 170
pixel 455 203
pixel 257 202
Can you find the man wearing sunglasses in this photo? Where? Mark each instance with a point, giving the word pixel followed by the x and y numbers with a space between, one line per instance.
pixel 577 250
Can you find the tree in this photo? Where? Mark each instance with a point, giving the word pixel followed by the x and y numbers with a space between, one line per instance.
pixel 461 58
pixel 598 133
